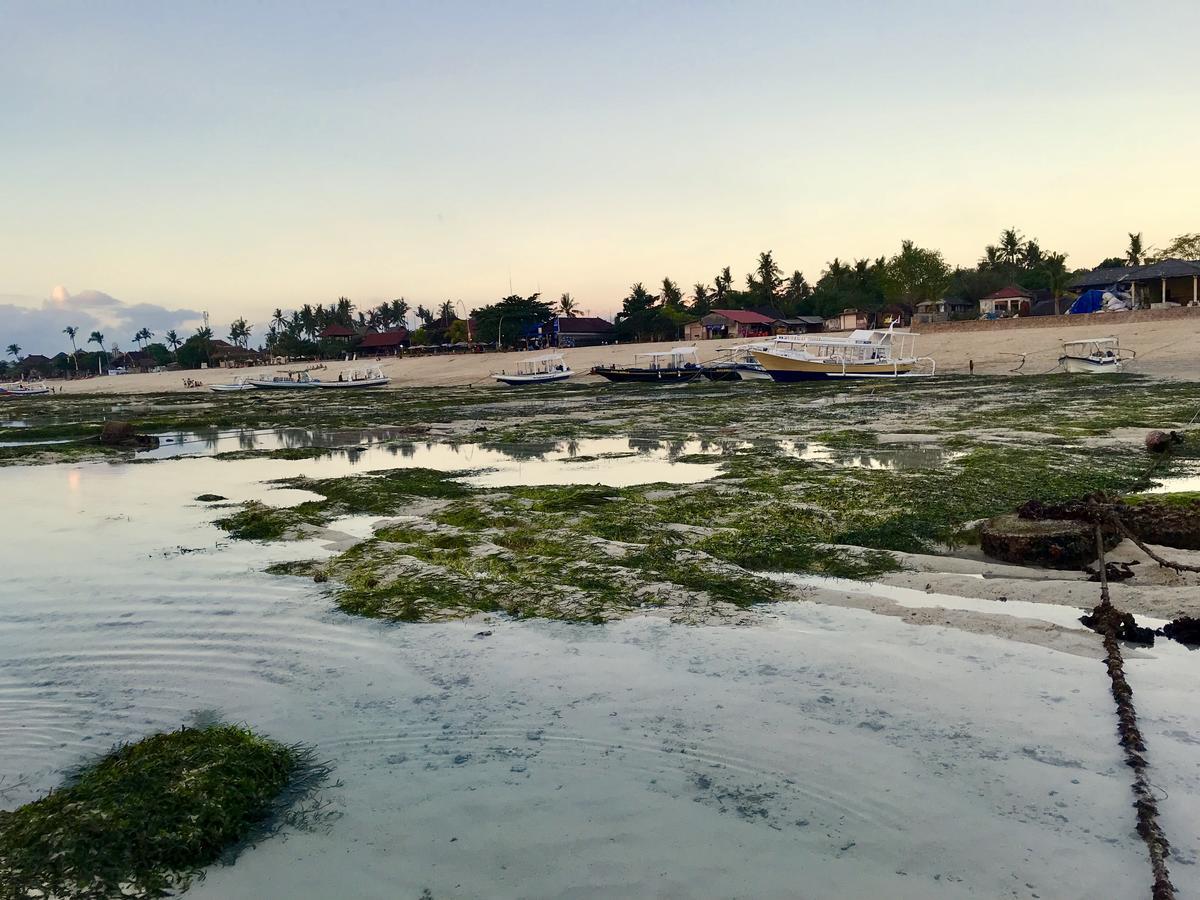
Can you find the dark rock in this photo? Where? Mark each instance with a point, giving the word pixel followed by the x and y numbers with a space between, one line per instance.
pixel 1052 543
pixel 210 498
pixel 1166 520
pixel 1113 571
pixel 1162 441
pixel 1185 629
pixel 122 434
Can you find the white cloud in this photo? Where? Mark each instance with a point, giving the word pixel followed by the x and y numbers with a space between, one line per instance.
pixel 37 326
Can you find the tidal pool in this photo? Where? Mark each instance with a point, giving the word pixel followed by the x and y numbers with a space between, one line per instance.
pixel 821 753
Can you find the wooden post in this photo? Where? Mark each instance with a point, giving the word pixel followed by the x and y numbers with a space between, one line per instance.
pixel 1195 290
pixel 1164 288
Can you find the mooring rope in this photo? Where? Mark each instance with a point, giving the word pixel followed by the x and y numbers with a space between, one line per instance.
pixel 1106 618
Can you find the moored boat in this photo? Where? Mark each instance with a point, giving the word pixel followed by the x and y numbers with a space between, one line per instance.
pixel 738 365
pixel 355 378
pixel 1098 356
pixel 241 383
pixel 538 370
pixel 22 389
pixel 877 353
pixel 673 366
pixel 299 379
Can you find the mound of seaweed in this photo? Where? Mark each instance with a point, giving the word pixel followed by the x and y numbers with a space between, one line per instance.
pixel 149 816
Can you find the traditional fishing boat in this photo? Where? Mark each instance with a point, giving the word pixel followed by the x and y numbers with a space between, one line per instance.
pixel 241 383
pixel 1098 356
pixel 739 364
pixel 299 379
pixel 673 366
pixel 877 353
pixel 538 370
pixel 22 389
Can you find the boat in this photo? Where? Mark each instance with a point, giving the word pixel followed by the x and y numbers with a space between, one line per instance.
pixel 241 383
pixel 22 389
pixel 865 353
pixel 673 366
pixel 1098 356
pixel 299 379
pixel 355 378
pixel 739 364
pixel 538 370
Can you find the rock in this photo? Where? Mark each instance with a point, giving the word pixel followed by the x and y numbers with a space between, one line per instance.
pixel 1161 441
pixel 1052 543
pixel 1169 520
pixel 1185 629
pixel 122 434
pixel 210 498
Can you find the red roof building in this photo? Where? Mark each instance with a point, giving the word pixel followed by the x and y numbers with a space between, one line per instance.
pixel 730 323
pixel 1006 302
pixel 380 343
pixel 336 332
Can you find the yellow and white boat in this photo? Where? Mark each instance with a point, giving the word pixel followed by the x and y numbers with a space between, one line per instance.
pixel 880 353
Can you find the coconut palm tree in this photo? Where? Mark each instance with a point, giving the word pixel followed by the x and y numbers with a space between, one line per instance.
pixel 446 311
pixel 567 307
pixel 97 338
pixel 14 350
pixel 143 337
pixel 239 332
pixel 1056 267
pixel 173 342
pixel 70 331
pixel 400 310
pixel 278 319
pixel 1136 252
pixel 1011 245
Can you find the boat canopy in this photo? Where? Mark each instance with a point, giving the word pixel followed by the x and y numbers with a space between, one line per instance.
pixel 1093 342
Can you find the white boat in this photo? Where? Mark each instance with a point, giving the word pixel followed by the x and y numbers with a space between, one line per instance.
pixel 299 379
pixel 739 364
pixel 1098 356
pixel 866 353
pixel 241 383
pixel 22 389
pixel 356 378
pixel 538 370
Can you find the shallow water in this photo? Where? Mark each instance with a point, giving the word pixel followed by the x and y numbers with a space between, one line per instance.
pixel 822 753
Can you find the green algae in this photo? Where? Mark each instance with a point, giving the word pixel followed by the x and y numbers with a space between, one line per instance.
pixel 145 819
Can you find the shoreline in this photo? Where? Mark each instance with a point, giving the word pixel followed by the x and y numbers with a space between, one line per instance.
pixel 1165 349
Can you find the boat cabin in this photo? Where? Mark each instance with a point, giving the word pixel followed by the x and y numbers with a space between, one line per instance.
pixel 675 358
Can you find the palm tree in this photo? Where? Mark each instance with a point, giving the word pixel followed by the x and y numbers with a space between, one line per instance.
pixel 173 342
pixel 567 307
pixel 446 312
pixel 239 332
pixel 278 319
pixel 400 312
pixel 143 337
pixel 1056 268
pixel 14 350
pixel 1136 252
pixel 1031 254
pixel 70 331
pixel 97 338
pixel 1011 245
pixel 991 257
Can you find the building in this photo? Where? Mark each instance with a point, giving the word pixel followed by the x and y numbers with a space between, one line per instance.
pixel 1166 281
pixel 227 356
pixel 730 323
pixel 580 331
pixel 33 364
pixel 337 332
pixel 799 325
pixel 847 320
pixel 944 310
pixel 1007 302
pixel 384 343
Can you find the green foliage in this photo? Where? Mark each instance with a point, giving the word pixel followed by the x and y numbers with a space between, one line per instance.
pixel 509 318
pixel 258 522
pixel 193 352
pixel 148 817
pixel 915 275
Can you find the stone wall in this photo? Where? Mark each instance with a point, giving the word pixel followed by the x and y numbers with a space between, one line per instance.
pixel 1110 319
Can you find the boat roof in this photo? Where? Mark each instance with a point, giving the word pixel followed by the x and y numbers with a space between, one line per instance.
pixel 675 351
pixel 546 358
pixel 1102 340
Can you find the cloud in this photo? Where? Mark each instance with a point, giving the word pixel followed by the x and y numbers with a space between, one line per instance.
pixel 38 326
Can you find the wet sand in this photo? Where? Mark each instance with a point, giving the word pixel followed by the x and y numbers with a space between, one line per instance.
pixel 1164 349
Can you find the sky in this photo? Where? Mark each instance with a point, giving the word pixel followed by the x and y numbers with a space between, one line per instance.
pixel 233 157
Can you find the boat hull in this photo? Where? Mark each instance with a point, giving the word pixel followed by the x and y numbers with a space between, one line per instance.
pixel 736 373
pixel 360 384
pixel 541 378
pixel 230 388
pixel 1084 366
pixel 785 368
pixel 10 393
pixel 283 385
pixel 648 376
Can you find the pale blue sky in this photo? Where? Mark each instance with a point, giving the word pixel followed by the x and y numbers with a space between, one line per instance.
pixel 236 157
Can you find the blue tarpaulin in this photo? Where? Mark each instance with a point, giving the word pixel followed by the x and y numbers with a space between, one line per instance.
pixel 1088 302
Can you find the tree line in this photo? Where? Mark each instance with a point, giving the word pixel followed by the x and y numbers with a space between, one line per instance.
pixel 912 275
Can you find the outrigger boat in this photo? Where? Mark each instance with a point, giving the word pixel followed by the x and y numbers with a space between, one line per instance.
pixel 879 353
pixel 739 365
pixel 299 379
pixel 667 366
pixel 1098 356
pixel 22 389
pixel 539 370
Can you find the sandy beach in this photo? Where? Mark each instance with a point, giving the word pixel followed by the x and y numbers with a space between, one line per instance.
pixel 1165 349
